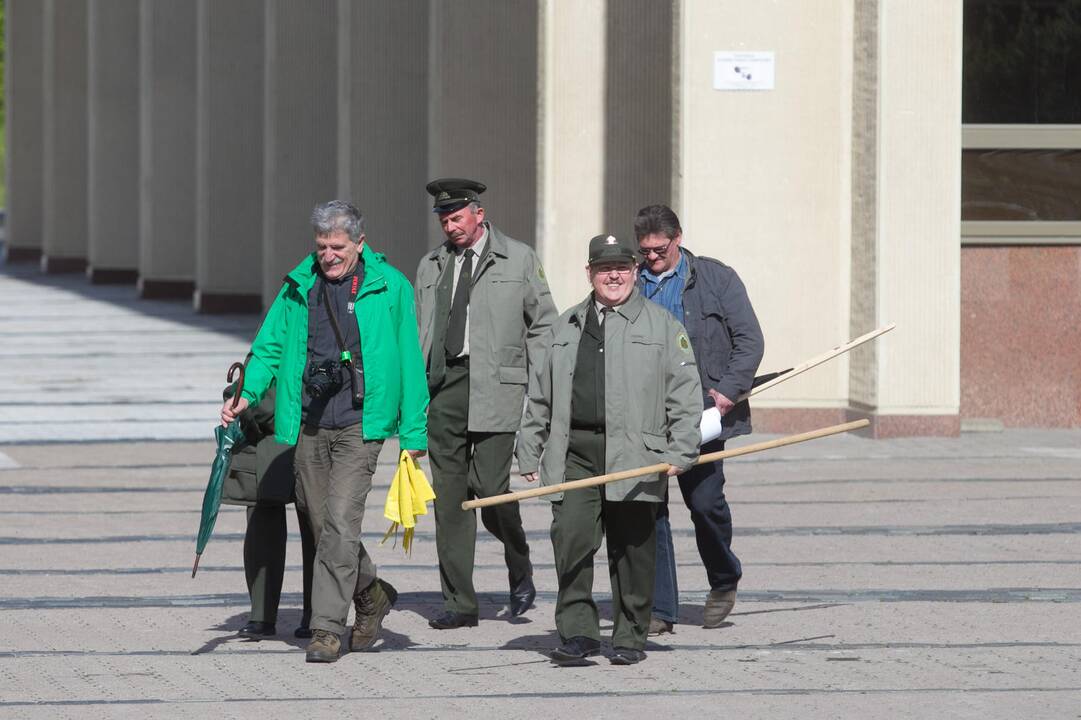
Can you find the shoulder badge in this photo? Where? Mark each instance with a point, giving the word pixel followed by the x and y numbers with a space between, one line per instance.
pixel 540 272
pixel 684 343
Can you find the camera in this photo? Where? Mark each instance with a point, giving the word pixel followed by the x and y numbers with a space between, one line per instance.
pixel 324 379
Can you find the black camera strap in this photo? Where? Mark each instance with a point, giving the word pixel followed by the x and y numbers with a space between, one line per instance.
pixel 356 385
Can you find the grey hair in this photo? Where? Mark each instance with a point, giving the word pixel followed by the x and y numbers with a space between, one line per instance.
pixel 338 215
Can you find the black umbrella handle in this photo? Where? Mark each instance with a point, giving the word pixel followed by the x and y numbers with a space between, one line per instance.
pixel 236 368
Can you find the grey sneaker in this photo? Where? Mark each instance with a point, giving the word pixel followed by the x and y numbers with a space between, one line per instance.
pixel 718 605
pixel 324 647
pixel 372 605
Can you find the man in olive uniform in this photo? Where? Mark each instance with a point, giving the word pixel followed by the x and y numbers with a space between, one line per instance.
pixel 483 309
pixel 261 478
pixel 633 399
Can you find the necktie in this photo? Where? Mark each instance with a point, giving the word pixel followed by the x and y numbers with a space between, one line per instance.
pixel 459 307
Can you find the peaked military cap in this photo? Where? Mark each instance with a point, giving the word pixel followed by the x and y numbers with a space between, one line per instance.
pixel 454 193
pixel 604 248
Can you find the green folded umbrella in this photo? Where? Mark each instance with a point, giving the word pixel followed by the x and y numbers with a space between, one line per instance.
pixel 228 437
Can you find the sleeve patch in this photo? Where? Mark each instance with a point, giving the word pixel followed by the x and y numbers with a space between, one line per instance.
pixel 684 343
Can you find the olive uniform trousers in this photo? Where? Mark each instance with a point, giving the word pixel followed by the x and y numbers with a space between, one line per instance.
pixel 466 465
pixel 579 522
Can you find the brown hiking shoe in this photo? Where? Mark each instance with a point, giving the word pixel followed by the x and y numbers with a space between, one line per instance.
pixel 324 647
pixel 718 605
pixel 657 626
pixel 372 605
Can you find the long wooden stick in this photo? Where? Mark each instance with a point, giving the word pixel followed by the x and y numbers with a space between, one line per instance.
pixel 662 467
pixel 818 360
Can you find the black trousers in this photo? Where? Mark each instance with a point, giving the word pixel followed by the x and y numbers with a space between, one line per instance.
pixel 264 560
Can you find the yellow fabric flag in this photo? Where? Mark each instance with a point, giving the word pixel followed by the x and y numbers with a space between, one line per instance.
pixel 407 498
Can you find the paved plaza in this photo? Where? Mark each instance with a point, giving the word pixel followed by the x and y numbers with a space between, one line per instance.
pixel 909 578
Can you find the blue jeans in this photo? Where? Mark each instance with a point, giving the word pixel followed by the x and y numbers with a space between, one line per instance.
pixel 703 492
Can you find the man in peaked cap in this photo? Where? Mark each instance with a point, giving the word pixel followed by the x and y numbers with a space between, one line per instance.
pixel 618 390
pixel 483 307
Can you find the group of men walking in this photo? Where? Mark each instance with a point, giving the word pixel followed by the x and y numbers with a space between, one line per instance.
pixel 618 381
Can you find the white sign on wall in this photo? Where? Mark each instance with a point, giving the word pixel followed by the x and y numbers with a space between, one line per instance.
pixel 742 70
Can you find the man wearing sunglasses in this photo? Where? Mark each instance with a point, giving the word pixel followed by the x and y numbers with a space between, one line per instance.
pixel 708 297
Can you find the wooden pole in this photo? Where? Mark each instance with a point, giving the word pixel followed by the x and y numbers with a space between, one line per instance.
pixel 661 467
pixel 818 360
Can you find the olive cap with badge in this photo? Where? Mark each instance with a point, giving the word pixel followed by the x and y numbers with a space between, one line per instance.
pixel 452 194
pixel 609 248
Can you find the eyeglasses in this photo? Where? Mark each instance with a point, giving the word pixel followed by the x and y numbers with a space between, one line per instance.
pixel 658 251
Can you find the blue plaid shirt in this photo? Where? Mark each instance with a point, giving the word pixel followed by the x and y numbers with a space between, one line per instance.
pixel 666 289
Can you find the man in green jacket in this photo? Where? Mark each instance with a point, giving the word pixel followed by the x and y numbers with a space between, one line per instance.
pixel 484 307
pixel 618 390
pixel 340 340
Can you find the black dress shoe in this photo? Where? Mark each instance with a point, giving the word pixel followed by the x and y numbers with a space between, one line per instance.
pixel 574 652
pixel 627 656
pixel 450 620
pixel 256 630
pixel 522 596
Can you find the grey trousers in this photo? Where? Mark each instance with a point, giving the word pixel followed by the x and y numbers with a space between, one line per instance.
pixel 334 475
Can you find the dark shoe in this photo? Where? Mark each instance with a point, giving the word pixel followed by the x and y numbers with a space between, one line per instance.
pixel 324 647
pixel 450 620
pixel 372 605
pixel 522 596
pixel 627 656
pixel 256 630
pixel 302 631
pixel 657 626
pixel 574 652
pixel 718 604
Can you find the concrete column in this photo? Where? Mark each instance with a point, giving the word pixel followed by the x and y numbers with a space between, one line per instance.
pixel 24 81
pixel 572 148
pixel 167 144
pixel 229 156
pixel 764 181
pixel 113 157
pixel 912 386
pixel 483 106
pixel 64 149
pixel 638 109
pixel 383 52
pixel 301 142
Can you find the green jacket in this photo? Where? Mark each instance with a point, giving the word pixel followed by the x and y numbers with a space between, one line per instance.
pixel 652 400
pixel 395 388
pixel 510 310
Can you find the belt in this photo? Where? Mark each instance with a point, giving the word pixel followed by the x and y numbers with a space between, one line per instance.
pixel 596 429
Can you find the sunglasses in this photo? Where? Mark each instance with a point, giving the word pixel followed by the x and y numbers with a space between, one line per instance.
pixel 658 251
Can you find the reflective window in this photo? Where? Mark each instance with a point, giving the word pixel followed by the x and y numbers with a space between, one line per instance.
pixel 1022 61
pixel 1025 185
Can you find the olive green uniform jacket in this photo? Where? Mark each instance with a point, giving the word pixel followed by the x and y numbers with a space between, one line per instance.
pixel 652 402
pixel 510 311
pixel 262 468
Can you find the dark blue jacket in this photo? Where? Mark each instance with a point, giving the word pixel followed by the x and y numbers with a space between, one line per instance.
pixel 725 336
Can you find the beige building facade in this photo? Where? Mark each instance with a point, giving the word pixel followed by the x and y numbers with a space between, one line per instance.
pixel 814 146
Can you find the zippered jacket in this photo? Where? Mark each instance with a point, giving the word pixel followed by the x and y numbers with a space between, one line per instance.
pixel 395 386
